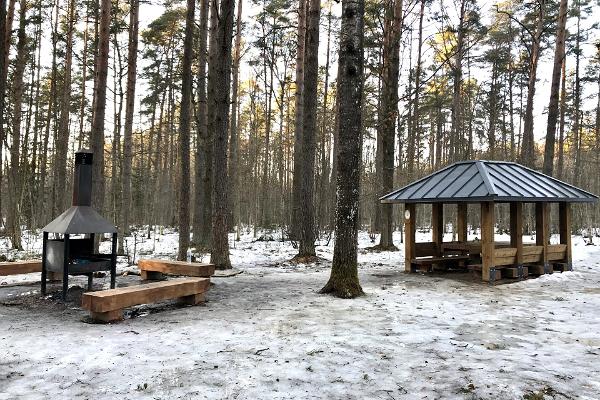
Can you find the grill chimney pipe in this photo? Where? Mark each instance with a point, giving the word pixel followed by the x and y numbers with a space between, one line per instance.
pixel 82 179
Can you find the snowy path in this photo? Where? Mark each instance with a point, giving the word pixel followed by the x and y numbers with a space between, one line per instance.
pixel 267 334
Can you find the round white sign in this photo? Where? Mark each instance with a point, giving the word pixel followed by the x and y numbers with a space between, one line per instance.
pixel 407 214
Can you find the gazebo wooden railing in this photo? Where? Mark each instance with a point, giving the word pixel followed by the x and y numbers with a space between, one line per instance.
pixel 488 183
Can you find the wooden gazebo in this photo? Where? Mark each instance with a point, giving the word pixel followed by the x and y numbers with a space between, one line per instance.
pixel 487 183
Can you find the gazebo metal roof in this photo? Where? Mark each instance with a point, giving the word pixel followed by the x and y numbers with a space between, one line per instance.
pixel 499 181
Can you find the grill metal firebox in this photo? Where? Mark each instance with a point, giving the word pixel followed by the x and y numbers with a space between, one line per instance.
pixel 67 255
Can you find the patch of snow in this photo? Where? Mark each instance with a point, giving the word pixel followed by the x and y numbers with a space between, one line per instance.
pixel 268 334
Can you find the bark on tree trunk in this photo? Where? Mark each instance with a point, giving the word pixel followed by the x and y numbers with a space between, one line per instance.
pixel 202 202
pixel 207 231
pixel 527 146
pixel 299 109
pixel 62 142
pixel 184 133
pixel 456 133
pixel 561 128
pixel 129 110
pixel 578 115
pixel 389 115
pixel 5 34
pixel 97 133
pixel 232 196
pixel 220 74
pixel 14 177
pixel 414 117
pixel 309 127
pixel 343 281
pixel 559 55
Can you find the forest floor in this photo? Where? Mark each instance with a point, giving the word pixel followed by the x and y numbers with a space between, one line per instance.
pixel 267 334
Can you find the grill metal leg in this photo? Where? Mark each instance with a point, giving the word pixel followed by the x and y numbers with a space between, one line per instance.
pixel 66 267
pixel 44 242
pixel 113 262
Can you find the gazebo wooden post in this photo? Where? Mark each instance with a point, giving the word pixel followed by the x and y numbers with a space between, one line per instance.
pixel 564 222
pixel 410 228
pixel 488 273
pixel 542 232
pixel 437 225
pixel 516 234
pixel 461 222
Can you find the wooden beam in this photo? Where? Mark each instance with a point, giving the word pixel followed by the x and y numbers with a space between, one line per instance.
pixel 564 218
pixel 20 267
pixel 461 221
pixel 437 225
pixel 117 299
pixel 175 268
pixel 516 230
pixel 542 231
pixel 487 239
pixel 410 229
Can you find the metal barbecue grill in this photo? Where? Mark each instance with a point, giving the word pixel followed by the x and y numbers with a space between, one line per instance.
pixel 68 244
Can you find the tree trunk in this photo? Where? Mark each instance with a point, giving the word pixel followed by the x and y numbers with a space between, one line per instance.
pixel 129 110
pixel 527 146
pixel 578 114
pixel 309 127
pixel 5 35
pixel 265 219
pixel 14 178
pixel 233 212
pixel 97 133
pixel 323 191
pixel 220 74
pixel 389 115
pixel 561 128
pixel 414 118
pixel 60 154
pixel 456 133
pixel 207 231
pixel 343 281
pixel 299 118
pixel 493 102
pixel 202 203
pixel 184 133
pixel 559 55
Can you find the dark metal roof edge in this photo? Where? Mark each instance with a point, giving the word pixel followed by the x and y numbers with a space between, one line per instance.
pixel 492 199
pixel 559 181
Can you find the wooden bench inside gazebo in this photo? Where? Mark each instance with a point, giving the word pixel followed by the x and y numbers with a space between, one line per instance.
pixel 485 184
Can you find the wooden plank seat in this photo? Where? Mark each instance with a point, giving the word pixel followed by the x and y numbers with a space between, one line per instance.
pixel 427 263
pixel 26 267
pixel 20 267
pixel 152 269
pixel 108 305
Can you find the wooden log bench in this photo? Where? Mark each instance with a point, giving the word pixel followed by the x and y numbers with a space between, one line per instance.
pixel 26 267
pixel 426 263
pixel 151 269
pixel 108 305
pixel 20 267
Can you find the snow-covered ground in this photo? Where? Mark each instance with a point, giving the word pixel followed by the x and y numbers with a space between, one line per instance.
pixel 268 334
